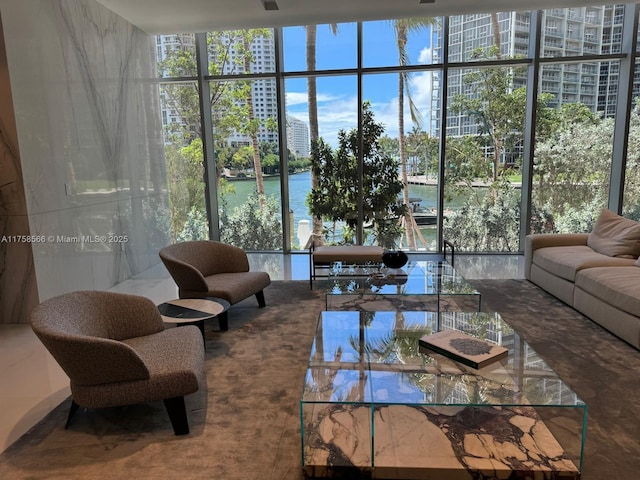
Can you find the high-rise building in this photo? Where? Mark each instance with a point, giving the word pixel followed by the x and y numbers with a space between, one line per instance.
pixel 263 91
pixel 297 136
pixel 578 31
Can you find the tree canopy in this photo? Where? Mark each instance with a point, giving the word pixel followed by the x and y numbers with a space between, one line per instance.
pixel 335 198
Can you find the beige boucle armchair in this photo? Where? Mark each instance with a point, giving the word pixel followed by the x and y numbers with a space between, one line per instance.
pixel 115 351
pixel 206 268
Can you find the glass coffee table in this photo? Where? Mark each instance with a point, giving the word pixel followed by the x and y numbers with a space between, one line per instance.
pixel 375 406
pixel 419 285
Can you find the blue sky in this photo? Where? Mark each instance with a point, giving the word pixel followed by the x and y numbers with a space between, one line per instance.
pixel 337 95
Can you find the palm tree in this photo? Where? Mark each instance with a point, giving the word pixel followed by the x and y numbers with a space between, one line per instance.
pixel 495 26
pixel 403 27
pixel 253 126
pixel 311 31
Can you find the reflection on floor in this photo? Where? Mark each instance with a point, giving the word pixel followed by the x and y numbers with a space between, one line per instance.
pixel 32 384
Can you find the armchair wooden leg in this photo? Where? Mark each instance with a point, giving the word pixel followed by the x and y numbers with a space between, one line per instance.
pixel 177 414
pixel 72 410
pixel 260 297
pixel 223 320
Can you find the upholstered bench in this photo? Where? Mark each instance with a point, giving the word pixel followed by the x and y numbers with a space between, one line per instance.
pixel 323 256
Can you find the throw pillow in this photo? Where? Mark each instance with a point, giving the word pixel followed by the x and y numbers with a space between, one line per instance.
pixel 615 236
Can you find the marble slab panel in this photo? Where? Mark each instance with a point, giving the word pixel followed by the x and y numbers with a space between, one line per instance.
pixel 90 140
pixel 443 443
pixel 18 291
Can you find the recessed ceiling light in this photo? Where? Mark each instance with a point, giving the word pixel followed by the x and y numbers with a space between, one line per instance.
pixel 422 2
pixel 270 4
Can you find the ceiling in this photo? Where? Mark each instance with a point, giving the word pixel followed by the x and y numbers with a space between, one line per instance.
pixel 190 16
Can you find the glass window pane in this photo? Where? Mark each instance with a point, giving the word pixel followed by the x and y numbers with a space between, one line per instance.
pixel 488 36
pixel 336 102
pixel 246 149
pixel 631 198
pixel 382 41
pixel 176 55
pixel 234 52
pixel 184 157
pixel 335 47
pixel 572 158
pixel 414 156
pixel 578 31
pixel 485 124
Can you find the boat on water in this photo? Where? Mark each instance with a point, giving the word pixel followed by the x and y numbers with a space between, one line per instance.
pixel 422 217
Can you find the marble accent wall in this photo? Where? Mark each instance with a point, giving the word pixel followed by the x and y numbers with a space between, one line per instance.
pixel 90 140
pixel 18 290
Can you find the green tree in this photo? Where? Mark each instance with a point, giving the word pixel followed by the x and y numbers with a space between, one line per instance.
pixel 389 146
pixel 231 54
pixel 632 177
pixel 231 106
pixel 423 149
pixel 196 227
pixel 489 223
pixel 242 159
pixel 336 196
pixel 271 164
pixel 496 109
pixel 572 167
pixel 465 164
pixel 252 226
pixel 185 182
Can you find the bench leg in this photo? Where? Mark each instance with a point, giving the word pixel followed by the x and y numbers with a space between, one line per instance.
pixel 450 245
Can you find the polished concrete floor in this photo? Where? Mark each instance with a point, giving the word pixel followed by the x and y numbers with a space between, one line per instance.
pixel 32 384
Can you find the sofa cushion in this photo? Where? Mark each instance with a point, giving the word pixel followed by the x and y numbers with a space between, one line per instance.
pixel 235 287
pixel 615 236
pixel 565 262
pixel 618 286
pixel 347 253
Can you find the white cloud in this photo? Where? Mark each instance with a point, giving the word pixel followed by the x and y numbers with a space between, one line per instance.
pixel 336 112
pixel 335 115
pixel 298 98
pixel 295 98
pixel 425 57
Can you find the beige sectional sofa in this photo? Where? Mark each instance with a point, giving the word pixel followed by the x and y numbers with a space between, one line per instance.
pixel 596 273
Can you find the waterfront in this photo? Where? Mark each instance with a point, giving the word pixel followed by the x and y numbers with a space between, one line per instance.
pixel 300 186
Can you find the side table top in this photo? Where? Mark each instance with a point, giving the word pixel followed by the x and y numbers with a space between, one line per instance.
pixel 186 310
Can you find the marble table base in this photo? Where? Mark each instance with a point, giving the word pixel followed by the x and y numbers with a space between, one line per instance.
pixel 439 443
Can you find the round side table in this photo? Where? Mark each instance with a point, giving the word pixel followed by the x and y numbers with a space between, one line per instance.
pixel 194 311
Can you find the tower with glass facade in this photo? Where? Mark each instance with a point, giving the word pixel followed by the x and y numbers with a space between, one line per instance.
pixel 566 32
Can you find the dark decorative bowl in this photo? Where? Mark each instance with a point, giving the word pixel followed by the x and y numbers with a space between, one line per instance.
pixel 394 258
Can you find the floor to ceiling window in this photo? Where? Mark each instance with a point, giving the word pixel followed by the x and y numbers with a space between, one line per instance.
pixel 572 160
pixel 359 154
pixel 318 107
pixel 483 157
pixel 182 136
pixel 335 105
pixel 575 119
pixel 631 200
